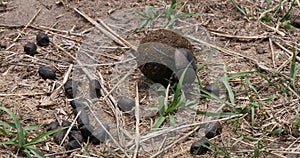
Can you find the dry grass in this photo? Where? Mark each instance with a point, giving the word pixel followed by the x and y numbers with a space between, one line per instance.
pixel 266 99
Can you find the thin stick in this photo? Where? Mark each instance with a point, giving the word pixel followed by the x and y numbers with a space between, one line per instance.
pixel 115 34
pixel 236 36
pixel 284 64
pixel 21 94
pixel 137 123
pixel 61 153
pixel 106 31
pixel 289 52
pixel 274 29
pixel 272 52
pixel 60 31
pixel 62 49
pixel 226 51
pixel 30 21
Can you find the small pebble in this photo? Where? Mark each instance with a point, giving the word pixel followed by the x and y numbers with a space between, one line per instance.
pixel 46 73
pixel 42 39
pixel 125 104
pixel 200 147
pixel 213 129
pixel 73 144
pixel 99 135
pixel 95 89
pixel 213 88
pixel 30 49
pixel 75 135
pixel 70 89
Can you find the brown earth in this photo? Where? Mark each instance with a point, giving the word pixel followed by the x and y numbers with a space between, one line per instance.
pixel 252 44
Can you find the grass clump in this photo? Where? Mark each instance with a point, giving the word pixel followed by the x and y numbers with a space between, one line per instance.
pixel 16 135
pixel 170 13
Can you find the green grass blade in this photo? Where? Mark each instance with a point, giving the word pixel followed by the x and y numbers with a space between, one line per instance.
pixel 33 127
pixel 36 139
pixel 21 140
pixel 223 114
pixel 4 132
pixel 172 120
pixel 176 103
pixel 238 140
pixel 294 69
pixel 239 75
pixel 11 142
pixel 250 85
pixel 35 152
pixel 27 152
pixel 228 87
pixel 161 103
pixel 270 82
pixel 239 8
pixel 201 66
pixel 174 4
pixel 209 95
pixel 293 64
pixel 159 122
pixel 276 131
pixel 288 13
pixel 252 111
pixel 142 24
pixel 149 12
pixel 8 124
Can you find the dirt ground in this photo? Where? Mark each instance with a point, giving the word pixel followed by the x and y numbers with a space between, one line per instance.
pixel 245 44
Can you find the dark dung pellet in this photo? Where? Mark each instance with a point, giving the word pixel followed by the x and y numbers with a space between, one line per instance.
pixel 296 23
pixel 125 104
pixel 42 39
pixel 70 89
pixel 58 137
pixel 73 144
pixel 200 147
pixel 95 89
pixel 52 126
pixel 46 73
pixel 30 49
pixel 75 135
pixel 213 129
pixel 66 123
pixel 86 131
pixel 99 135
